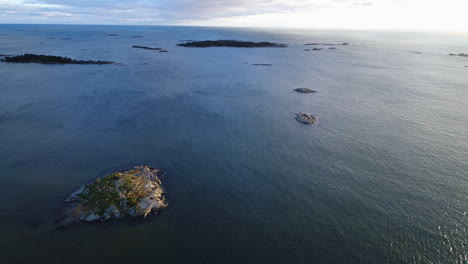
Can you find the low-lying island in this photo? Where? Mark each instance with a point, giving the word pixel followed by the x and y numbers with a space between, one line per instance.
pixel 47 59
pixel 131 193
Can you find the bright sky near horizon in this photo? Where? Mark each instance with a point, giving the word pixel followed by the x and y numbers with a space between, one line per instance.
pixel 346 14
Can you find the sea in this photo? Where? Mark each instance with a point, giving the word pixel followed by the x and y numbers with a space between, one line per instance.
pixel 381 178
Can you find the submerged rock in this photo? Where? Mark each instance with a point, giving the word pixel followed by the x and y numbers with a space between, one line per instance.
pixel 304 90
pixel 306 118
pixel 130 193
pixel 316 49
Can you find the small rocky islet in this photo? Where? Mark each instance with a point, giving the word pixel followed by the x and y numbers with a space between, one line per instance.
pixel 459 54
pixel 327 44
pixel 305 90
pixel 306 118
pixel 148 48
pixel 136 192
pixel 145 47
pixel 47 59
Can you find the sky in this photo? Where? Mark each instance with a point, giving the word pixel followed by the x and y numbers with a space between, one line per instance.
pixel 342 14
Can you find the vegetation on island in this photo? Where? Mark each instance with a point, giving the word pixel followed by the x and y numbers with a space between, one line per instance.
pixel 107 191
pixel 134 192
pixel 47 59
pixel 231 43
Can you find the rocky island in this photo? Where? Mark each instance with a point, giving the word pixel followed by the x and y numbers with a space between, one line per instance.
pixel 459 54
pixel 306 118
pixel 145 47
pixel 231 43
pixel 136 192
pixel 46 59
pixel 304 90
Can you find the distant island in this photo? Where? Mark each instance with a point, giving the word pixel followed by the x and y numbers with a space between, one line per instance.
pixel 231 43
pixel 145 47
pixel 46 59
pixel 136 192
pixel 304 90
pixel 459 54
pixel 327 44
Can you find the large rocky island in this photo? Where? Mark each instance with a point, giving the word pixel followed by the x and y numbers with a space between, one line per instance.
pixel 46 59
pixel 131 193
pixel 231 43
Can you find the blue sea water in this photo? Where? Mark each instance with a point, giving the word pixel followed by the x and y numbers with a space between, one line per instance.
pixel 382 178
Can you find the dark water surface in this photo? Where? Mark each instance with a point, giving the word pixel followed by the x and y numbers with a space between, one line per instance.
pixel 383 177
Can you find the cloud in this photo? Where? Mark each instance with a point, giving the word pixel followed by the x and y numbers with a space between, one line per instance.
pixel 170 11
pixel 425 14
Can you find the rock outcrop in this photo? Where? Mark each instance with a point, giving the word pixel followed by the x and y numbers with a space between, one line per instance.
pixel 131 193
pixel 306 118
pixel 304 90
pixel 459 54
pixel 145 47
